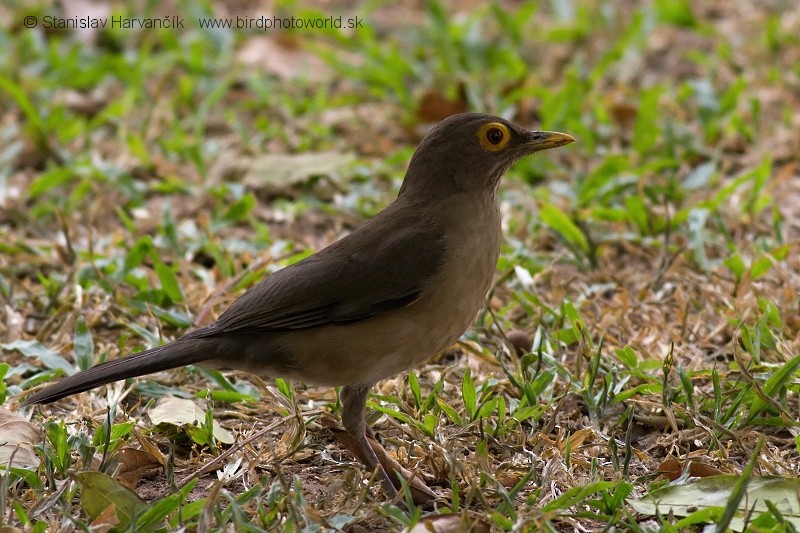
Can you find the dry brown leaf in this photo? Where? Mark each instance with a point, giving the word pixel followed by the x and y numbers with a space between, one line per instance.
pixel 672 469
pixel 17 437
pixel 577 439
pixel 509 479
pixel 150 447
pixel 623 113
pixel 133 464
pixel 433 106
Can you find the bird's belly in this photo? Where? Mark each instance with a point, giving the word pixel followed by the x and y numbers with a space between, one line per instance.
pixel 377 348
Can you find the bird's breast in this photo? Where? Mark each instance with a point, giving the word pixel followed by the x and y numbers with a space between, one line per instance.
pixel 386 344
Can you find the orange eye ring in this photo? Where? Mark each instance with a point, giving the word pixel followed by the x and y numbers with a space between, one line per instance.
pixel 494 136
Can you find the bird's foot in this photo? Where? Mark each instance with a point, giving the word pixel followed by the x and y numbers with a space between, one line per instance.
pixel 387 466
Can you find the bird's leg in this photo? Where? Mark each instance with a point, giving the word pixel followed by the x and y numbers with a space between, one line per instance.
pixel 354 401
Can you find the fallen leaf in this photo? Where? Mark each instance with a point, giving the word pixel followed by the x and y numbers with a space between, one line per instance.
pixel 577 439
pixel 434 106
pixel 17 437
pixel 286 170
pixel 99 492
pixel 509 479
pixel 715 491
pixel 672 469
pixel 182 412
pixel 150 447
pixel 176 411
pixel 133 464
pixel 623 113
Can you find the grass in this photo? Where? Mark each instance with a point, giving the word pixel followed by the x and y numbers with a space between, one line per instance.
pixel 645 306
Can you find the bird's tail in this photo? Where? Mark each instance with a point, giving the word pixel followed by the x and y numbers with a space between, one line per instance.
pixel 179 353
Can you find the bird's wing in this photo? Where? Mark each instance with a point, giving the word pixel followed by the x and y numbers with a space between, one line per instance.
pixel 381 266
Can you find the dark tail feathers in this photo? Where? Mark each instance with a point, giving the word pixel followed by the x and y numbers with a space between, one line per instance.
pixel 179 353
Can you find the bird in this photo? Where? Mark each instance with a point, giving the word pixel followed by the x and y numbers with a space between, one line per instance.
pixel 394 292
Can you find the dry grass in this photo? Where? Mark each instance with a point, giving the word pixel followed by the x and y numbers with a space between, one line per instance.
pixel 650 342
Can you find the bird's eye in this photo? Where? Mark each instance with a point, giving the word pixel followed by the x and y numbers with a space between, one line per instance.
pixel 494 136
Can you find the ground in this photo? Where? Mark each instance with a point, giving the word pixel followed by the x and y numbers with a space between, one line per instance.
pixel 645 313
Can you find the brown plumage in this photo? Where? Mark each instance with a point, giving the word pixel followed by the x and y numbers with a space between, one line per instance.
pixel 394 292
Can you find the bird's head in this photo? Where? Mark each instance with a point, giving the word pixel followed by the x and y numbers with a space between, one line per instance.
pixel 471 152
